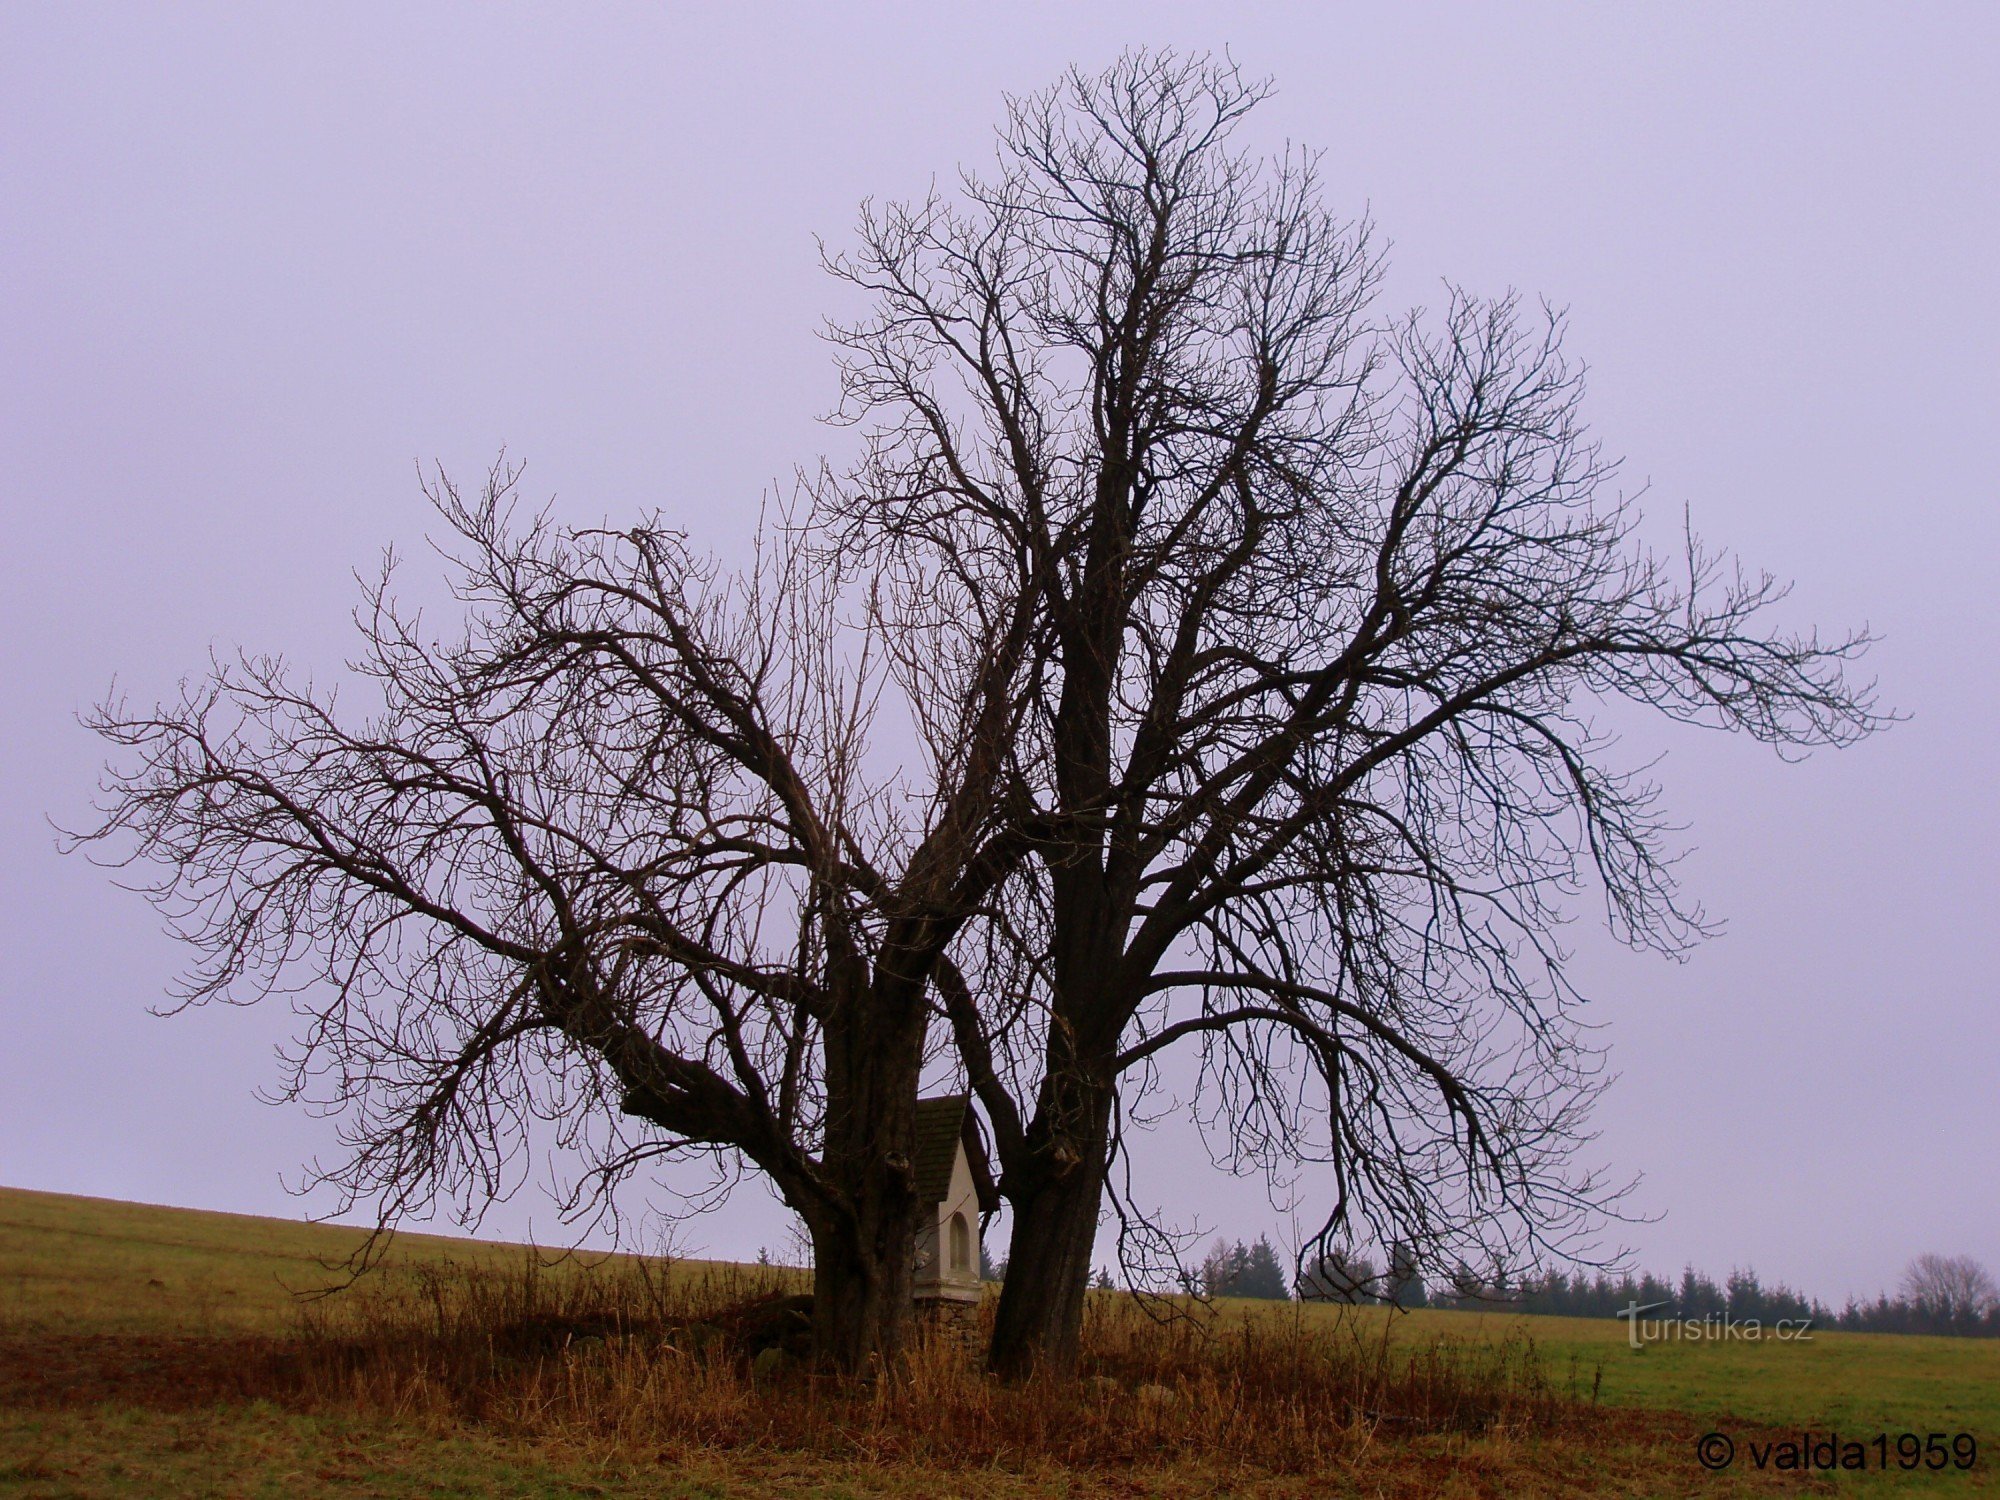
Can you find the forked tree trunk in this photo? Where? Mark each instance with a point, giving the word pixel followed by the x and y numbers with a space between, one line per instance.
pixel 1038 1326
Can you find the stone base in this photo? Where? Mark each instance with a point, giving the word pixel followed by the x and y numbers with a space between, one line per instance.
pixel 951 1316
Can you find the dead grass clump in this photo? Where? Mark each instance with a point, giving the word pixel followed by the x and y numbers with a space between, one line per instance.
pixel 626 1360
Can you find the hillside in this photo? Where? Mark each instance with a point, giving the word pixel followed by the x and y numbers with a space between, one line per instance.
pixel 158 1351
pixel 97 1265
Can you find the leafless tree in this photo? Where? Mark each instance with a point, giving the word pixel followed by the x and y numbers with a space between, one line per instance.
pixel 1249 644
pixel 611 859
pixel 1323 604
pixel 1952 1291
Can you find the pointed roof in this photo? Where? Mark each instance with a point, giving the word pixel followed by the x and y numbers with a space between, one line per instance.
pixel 943 1125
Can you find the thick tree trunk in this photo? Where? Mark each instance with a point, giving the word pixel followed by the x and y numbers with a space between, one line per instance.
pixel 864 1235
pixel 862 1281
pixel 1055 1184
pixel 1039 1323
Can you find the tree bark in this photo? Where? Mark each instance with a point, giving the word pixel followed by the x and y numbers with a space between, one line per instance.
pixel 1039 1323
pixel 864 1236
pixel 862 1284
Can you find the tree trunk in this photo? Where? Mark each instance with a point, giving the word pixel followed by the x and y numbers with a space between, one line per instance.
pixel 864 1234
pixel 1039 1323
pixel 862 1282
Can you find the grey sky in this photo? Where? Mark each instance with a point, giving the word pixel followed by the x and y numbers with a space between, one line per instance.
pixel 254 267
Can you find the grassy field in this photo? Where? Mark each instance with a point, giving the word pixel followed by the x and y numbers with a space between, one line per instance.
pixel 144 1351
pixel 91 1265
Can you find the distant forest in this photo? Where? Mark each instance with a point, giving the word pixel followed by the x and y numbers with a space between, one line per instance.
pixel 1940 1295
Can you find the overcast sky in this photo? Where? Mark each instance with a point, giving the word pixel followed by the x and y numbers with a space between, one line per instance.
pixel 255 265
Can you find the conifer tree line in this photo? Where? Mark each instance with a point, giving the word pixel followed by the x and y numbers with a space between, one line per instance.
pixel 1949 1295
pixel 1241 1270
pixel 1952 1295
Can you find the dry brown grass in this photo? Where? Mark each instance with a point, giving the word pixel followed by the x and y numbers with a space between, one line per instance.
pixel 626 1360
pixel 148 1352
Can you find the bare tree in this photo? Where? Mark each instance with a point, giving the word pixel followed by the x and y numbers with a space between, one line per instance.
pixel 1954 1292
pixel 1250 644
pixel 611 859
pixel 1323 605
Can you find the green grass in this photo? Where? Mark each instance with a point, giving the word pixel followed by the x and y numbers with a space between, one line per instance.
pixel 99 1266
pixel 264 1451
pixel 86 1280
pixel 1853 1384
pixel 259 1450
pixel 1850 1381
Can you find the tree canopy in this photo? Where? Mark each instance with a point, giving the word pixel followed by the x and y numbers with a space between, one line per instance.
pixel 1325 601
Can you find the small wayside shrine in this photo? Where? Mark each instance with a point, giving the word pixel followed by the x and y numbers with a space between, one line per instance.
pixel 954 1186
